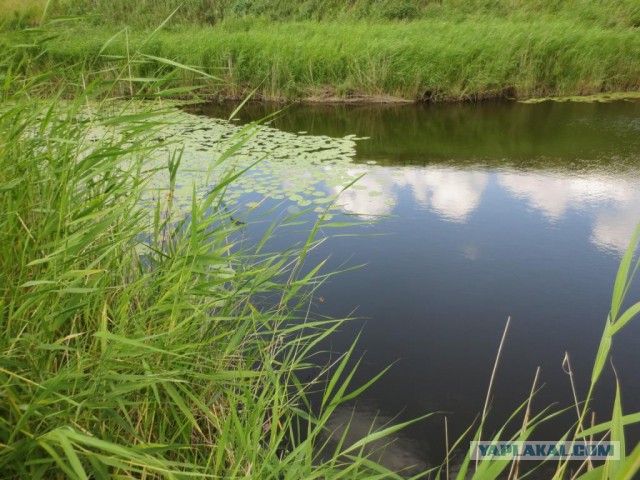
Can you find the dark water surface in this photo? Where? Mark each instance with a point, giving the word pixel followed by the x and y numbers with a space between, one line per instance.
pixel 494 210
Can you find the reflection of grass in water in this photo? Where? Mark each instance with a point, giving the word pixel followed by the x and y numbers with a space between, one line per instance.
pixel 558 136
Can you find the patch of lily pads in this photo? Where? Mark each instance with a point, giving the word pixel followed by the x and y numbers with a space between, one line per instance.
pixel 304 170
pixel 597 98
pixel 300 171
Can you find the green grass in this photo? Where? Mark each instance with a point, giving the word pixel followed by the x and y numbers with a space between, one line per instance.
pixel 135 341
pixel 430 60
pixel 149 13
pixel 434 50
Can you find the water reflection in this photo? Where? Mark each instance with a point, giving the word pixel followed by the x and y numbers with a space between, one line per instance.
pixel 613 227
pixel 494 210
pixel 373 195
pixel 552 194
pixel 552 135
pixel 560 159
pixel 612 203
pixel 453 194
pixel 352 423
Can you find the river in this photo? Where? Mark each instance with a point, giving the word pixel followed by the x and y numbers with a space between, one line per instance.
pixel 473 213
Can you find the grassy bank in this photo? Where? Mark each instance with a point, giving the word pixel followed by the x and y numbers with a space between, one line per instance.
pixel 607 13
pixel 423 60
pixel 340 50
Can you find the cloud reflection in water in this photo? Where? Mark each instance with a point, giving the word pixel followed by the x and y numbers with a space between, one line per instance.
pixel 612 202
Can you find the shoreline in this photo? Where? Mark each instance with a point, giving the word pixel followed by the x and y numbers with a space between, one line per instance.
pixel 364 100
pixel 360 63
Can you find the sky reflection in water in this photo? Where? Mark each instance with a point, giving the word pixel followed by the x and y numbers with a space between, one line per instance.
pixel 611 202
pixel 492 210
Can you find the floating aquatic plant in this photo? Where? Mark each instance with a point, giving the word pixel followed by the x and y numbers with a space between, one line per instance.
pixel 299 168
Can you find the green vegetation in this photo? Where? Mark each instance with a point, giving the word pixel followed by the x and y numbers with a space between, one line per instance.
pixel 139 342
pixel 606 13
pixel 419 60
pixel 21 12
pixel 448 50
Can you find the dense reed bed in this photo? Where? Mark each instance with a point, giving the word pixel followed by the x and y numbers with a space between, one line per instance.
pixel 606 13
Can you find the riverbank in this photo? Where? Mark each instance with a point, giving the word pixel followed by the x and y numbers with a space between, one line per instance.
pixel 143 341
pixel 429 60
pixel 142 337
